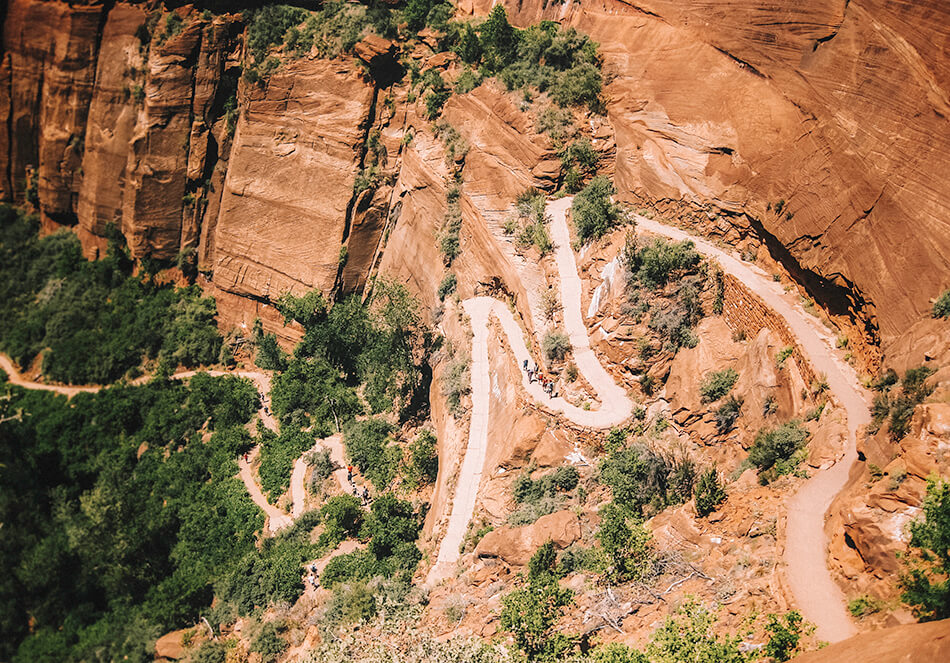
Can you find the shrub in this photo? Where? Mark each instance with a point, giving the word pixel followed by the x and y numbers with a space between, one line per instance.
pixel 268 643
pixel 570 372
pixel 368 448
pixel 709 492
pixel 784 635
pixel 926 585
pixel 864 605
pixel 424 458
pixel 342 517
pixel 941 307
pixel 456 382
pixel 278 453
pixel 774 449
pixel 581 155
pixel 550 303
pixel 727 413
pixel 322 465
pixel 209 652
pixel 351 603
pixel 626 545
pixel 717 384
pixel 447 286
pixel 555 345
pixel 655 263
pixel 594 212
pixel 639 476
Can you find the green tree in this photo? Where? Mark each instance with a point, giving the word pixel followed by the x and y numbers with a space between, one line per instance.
pixel 926 584
pixel 499 40
pixel 626 545
pixel 689 636
pixel 531 615
pixel 785 633
pixel 369 448
pixel 594 212
pixel 717 384
pixel 708 492
pixel 773 449
pixel 342 517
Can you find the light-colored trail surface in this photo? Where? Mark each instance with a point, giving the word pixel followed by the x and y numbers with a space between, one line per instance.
pixel 615 405
pixel 277 518
pixel 298 490
pixel 806 548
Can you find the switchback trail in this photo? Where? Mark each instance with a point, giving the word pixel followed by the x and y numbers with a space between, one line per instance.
pixel 806 548
pixel 614 404
pixel 298 491
pixel 277 519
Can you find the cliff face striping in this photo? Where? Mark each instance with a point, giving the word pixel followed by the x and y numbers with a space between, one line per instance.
pixel 816 130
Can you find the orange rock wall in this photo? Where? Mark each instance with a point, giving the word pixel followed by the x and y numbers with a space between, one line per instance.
pixel 744 312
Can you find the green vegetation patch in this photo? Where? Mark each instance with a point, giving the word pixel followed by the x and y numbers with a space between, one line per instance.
pixel 92 321
pixel 778 451
pixel 717 384
pixel 594 212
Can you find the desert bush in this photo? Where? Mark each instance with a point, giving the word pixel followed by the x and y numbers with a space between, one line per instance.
pixel 447 286
pixel 322 465
pixel 593 211
pixel 456 382
pixel 717 384
pixel 708 492
pixel 550 303
pixel 865 605
pixel 656 262
pixel 625 544
pixel 369 447
pixel 925 581
pixel 555 345
pixel 268 642
pixel 785 634
pixel 424 458
pixel 774 450
pixel 640 477
pixel 342 517
pixel 941 307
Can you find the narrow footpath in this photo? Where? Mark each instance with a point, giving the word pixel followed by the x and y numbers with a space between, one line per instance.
pixel 806 547
pixel 614 408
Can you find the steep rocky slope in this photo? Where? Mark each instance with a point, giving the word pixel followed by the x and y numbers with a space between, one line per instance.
pixel 816 131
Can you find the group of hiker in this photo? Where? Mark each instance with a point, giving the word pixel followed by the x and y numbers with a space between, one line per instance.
pixel 535 375
pixel 363 495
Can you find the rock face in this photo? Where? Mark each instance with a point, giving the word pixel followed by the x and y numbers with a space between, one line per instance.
pixel 920 643
pixel 817 132
pixel 819 128
pixel 290 180
pixel 515 545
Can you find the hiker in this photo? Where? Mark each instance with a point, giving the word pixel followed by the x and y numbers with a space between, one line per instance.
pixel 245 457
pixel 356 492
pixel 530 376
pixel 525 365
pixel 365 496
pixel 349 473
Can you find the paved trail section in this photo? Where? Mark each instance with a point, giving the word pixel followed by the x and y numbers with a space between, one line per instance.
pixel 614 405
pixel 806 548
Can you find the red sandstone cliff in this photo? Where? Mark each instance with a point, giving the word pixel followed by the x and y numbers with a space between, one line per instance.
pixel 718 111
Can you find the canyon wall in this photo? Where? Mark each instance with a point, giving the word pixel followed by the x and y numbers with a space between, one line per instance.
pixel 817 131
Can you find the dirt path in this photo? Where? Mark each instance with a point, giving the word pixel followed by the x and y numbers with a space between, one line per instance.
pixel 277 519
pixel 298 490
pixel 615 406
pixel 806 548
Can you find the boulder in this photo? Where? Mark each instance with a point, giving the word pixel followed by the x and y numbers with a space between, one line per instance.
pixel 516 545
pixel 170 645
pixel 917 643
pixel 552 448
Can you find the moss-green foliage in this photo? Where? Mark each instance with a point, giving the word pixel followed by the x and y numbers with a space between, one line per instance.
pixel 926 584
pixel 593 211
pixel 93 321
pixel 645 481
pixel 555 345
pixel 531 225
pixel 447 286
pixel 268 642
pixel 268 27
pixel 369 446
pixel 717 384
pixel 564 479
pixel 785 634
pixel 708 492
pixel 865 605
pixel 382 344
pixel 898 408
pixel 775 450
pixel 625 545
pixel 656 263
pixel 342 517
pixel 531 614
pixel 278 453
pixel 271 574
pixel 690 635
pixel 941 307
pixel 561 62
pixel 423 466
pixel 392 527
pixel 117 518
pixel 449 239
pixel 727 413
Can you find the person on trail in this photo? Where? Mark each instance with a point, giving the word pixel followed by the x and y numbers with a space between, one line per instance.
pixel 525 365
pixel 245 458
pixel 365 496
pixel 349 473
pixel 530 376
pixel 356 492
